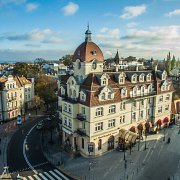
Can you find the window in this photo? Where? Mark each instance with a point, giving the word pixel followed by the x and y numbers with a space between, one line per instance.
pixel 83 110
pixel 103 96
pixel 99 111
pixel 122 106
pixel 10 86
pixel 65 107
pixel 26 97
pixel 167 108
pixel 13 85
pixel 25 89
pixel 7 86
pixel 148 112
pixel 123 119
pixel 142 90
pixel 120 119
pixel 15 94
pixel 133 116
pixel 83 98
pixel 79 65
pixel 70 123
pixel 62 91
pixel 167 97
pixel 109 95
pixel 99 126
pixel 82 142
pixel 142 102
pixel 29 96
pixel 69 109
pixel 123 92
pixel 121 80
pixel 111 123
pixel 141 114
pixel 104 81
pixel 99 144
pixel 65 121
pixel 141 78
pixel 159 110
pixel 29 89
pixel 161 99
pixel 148 77
pixel 134 78
pixel 134 91
pixel 112 109
pixel 149 100
pixel 134 104
pixel 94 65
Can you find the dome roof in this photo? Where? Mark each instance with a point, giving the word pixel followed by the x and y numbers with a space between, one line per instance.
pixel 88 51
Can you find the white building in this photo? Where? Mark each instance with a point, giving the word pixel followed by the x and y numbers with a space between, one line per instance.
pixel 107 109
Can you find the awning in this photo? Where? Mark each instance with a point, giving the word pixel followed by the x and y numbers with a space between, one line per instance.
pixel 148 125
pixel 141 127
pixel 133 129
pixel 159 122
pixel 128 135
pixel 166 120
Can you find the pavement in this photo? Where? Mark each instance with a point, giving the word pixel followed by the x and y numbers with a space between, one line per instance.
pixel 158 161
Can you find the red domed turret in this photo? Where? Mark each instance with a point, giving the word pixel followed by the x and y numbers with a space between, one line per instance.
pixel 88 51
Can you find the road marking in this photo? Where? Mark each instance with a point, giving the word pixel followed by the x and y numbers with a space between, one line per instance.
pixel 50 177
pixel 36 177
pixel 30 178
pixel 43 176
pixel 61 174
pixel 24 151
pixel 55 175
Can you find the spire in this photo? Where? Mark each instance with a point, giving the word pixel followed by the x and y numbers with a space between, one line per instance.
pixel 116 58
pixel 88 34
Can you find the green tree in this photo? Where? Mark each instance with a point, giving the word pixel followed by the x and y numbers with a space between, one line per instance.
pixel 45 88
pixel 168 63
pixel 67 60
pixel 173 62
pixel 25 69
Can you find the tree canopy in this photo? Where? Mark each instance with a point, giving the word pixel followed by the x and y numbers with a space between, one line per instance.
pixel 67 60
pixel 25 69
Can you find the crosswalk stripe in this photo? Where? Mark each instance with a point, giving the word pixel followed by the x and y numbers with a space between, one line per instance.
pixel 30 178
pixel 55 175
pixel 50 177
pixel 36 177
pixel 61 174
pixel 43 176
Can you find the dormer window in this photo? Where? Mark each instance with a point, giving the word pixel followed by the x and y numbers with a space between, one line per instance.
pixel 121 80
pixel 104 82
pixel 123 92
pixel 141 78
pixel 148 77
pixel 103 97
pixel 134 78
pixel 164 75
pixel 94 52
pixel 82 96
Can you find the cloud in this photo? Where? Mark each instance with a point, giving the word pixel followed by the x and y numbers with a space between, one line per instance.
pixel 44 36
pixel 176 12
pixel 109 33
pixel 31 7
pixel 133 11
pixel 132 24
pixel 15 2
pixel 70 9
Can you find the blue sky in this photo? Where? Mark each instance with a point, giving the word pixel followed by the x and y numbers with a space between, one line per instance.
pixel 52 28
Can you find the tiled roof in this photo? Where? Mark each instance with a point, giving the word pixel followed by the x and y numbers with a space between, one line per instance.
pixel 85 52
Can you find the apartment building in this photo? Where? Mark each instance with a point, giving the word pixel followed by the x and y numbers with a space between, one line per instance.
pixel 15 94
pixel 105 109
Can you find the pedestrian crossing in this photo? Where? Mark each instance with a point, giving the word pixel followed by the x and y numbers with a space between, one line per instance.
pixel 50 175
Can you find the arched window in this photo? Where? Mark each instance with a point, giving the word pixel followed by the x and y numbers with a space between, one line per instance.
pixel 94 65
pixel 100 144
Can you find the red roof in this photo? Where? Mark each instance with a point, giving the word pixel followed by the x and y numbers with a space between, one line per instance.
pixel 88 51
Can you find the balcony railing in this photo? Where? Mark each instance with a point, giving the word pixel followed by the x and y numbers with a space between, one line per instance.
pixel 81 117
pixel 138 95
pixel 81 132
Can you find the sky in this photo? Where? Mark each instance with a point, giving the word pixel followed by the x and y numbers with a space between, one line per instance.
pixel 50 29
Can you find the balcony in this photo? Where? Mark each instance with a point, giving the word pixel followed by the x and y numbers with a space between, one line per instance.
pixel 81 117
pixel 81 132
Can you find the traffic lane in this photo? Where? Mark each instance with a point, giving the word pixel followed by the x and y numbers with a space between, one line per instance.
pixel 15 158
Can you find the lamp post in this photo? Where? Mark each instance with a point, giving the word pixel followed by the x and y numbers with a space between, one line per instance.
pixel 164 135
pixel 90 149
pixel 145 141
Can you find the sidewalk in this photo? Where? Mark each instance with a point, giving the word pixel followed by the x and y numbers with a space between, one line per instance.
pixel 108 166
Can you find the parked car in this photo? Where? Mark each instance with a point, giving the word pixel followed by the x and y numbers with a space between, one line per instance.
pixel 39 126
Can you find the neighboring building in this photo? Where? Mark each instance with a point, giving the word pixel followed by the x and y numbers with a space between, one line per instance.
pixel 107 108
pixel 50 68
pixel 15 94
pixel 175 76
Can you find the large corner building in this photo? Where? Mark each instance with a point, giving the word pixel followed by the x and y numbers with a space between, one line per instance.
pixel 109 108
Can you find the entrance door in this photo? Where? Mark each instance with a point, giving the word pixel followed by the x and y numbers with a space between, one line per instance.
pixel 111 143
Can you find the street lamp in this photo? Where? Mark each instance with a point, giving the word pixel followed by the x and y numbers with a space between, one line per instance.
pixel 90 149
pixel 145 141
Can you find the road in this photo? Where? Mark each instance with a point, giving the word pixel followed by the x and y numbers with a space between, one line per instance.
pixel 28 161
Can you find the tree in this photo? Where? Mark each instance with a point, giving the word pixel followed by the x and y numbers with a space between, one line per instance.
pixel 45 88
pixel 173 62
pixel 168 63
pixel 37 102
pixel 67 60
pixel 25 69
pixel 130 58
